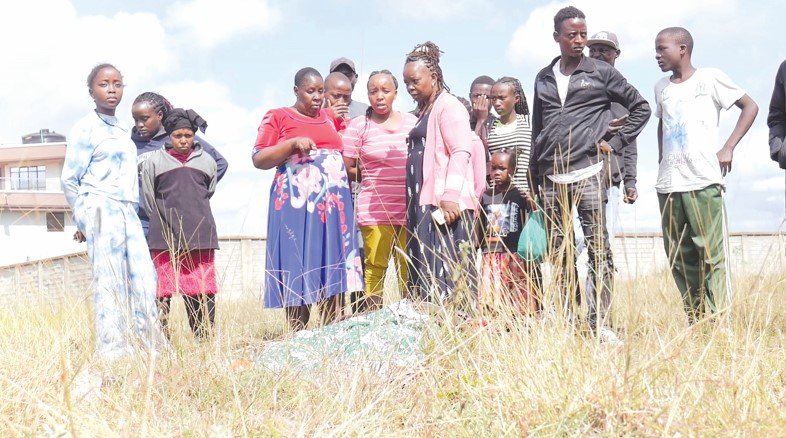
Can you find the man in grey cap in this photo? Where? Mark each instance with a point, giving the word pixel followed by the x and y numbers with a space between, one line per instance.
pixel 347 67
pixel 356 109
pixel 604 46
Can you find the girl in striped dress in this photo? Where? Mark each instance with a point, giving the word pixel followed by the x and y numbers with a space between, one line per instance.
pixel 511 130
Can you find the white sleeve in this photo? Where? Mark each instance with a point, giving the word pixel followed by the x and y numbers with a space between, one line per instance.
pixel 724 91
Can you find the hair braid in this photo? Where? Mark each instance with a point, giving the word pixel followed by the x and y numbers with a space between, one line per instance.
pixel 521 106
pixel 428 52
pixel 157 101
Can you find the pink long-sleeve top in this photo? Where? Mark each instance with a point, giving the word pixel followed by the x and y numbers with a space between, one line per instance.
pixel 448 167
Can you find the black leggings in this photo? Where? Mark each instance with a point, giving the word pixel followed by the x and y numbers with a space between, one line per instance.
pixel 201 310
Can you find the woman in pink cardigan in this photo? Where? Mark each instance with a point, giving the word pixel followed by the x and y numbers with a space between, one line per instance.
pixel 441 188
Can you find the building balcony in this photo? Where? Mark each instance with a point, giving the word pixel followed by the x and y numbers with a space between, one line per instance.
pixel 32 195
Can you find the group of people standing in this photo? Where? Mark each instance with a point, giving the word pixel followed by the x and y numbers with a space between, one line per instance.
pixel 357 186
pixel 429 178
pixel 141 200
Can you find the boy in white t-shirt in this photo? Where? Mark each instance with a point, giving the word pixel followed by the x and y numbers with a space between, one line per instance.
pixel 690 176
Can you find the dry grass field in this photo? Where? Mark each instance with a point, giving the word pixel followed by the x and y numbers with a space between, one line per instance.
pixel 534 376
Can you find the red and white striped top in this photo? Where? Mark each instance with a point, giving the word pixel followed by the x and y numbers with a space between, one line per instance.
pixel 383 158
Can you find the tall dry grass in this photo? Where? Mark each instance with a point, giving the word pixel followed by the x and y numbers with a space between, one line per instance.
pixel 527 376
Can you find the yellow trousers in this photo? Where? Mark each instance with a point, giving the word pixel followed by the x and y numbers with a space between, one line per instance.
pixel 380 242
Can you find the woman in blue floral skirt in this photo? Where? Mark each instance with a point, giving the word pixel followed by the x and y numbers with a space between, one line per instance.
pixel 312 249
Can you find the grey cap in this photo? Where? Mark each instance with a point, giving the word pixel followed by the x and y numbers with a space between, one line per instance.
pixel 605 38
pixel 339 61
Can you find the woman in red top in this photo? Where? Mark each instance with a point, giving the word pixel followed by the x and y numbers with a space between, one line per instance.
pixel 312 249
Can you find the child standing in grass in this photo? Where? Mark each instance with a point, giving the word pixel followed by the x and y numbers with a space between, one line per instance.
pixel 178 181
pixel 504 281
pixel 690 176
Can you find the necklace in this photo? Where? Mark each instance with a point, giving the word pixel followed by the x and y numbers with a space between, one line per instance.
pixel 109 124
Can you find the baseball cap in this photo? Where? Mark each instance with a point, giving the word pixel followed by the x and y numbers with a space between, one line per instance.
pixel 606 38
pixel 339 61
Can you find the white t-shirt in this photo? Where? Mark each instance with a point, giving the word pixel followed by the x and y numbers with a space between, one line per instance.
pixel 577 175
pixel 690 112
pixel 562 83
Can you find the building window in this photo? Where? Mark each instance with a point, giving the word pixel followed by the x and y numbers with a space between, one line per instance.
pixel 28 178
pixel 55 221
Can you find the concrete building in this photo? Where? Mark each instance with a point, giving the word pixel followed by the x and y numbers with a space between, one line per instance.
pixel 35 220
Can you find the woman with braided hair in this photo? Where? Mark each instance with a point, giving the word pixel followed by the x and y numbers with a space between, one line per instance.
pixel 511 130
pixel 375 153
pixel 441 193
pixel 149 110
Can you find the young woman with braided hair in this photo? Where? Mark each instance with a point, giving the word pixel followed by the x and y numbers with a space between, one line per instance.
pixel 149 110
pixel 441 189
pixel 511 130
pixel 375 153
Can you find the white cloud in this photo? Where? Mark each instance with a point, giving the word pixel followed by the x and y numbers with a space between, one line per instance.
pixel 241 198
pixel 212 22
pixel 50 70
pixel 436 10
pixel 45 72
pixel 635 23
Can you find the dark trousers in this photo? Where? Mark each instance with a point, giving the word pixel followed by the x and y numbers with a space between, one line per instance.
pixel 201 311
pixel 589 197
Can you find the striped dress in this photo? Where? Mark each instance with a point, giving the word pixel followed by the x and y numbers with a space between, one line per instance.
pixel 383 157
pixel 515 136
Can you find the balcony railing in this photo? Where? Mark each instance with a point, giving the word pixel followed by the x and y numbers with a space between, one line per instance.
pixel 16 185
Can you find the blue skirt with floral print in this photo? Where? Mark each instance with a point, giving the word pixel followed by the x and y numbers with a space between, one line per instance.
pixel 312 249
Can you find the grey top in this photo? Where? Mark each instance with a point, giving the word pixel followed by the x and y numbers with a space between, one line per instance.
pixel 177 200
pixel 357 109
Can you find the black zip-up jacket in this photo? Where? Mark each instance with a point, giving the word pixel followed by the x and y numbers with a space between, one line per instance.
pixel 565 137
pixel 623 165
pixel 776 119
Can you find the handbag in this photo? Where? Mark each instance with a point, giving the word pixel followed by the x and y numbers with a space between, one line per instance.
pixel 533 241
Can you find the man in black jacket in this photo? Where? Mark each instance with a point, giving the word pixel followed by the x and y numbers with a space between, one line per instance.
pixel 604 46
pixel 776 119
pixel 574 132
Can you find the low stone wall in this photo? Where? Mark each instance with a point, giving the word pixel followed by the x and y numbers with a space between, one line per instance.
pixel 749 253
pixel 240 265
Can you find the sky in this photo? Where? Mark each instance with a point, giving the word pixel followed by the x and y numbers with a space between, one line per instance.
pixel 232 60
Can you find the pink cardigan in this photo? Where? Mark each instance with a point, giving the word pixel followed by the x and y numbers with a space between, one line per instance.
pixel 449 172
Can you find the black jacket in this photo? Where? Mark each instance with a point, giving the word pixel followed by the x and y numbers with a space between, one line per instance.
pixel 623 165
pixel 565 136
pixel 776 119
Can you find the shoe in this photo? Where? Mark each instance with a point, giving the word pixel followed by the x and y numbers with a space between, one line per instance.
pixel 607 336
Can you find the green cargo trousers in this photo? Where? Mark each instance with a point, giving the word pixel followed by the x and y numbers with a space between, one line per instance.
pixel 695 242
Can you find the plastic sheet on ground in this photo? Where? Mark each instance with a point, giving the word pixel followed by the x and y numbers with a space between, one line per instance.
pixel 377 342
